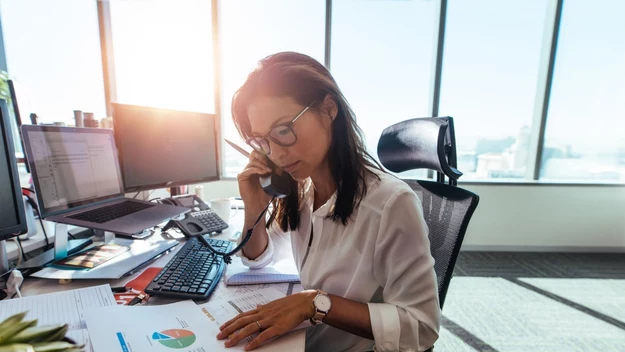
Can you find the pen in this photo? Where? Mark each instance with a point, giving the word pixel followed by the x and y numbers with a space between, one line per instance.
pixel 120 289
pixel 137 299
pixel 237 148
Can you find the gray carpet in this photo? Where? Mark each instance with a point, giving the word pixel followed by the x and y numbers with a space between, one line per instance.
pixel 535 302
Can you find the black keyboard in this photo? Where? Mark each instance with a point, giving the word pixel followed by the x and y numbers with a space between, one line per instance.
pixel 193 273
pixel 111 212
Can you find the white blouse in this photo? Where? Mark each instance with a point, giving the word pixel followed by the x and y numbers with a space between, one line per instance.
pixel 381 257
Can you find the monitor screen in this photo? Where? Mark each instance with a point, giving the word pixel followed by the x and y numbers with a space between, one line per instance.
pixel 72 166
pixel 164 148
pixel 12 218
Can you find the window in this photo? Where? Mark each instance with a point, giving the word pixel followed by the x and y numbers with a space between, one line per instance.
pixel 163 53
pixel 52 49
pixel 489 80
pixel 383 58
pixel 584 138
pixel 251 30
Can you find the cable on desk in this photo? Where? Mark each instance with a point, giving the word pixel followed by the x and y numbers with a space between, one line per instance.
pixel 148 196
pixel 26 192
pixel 43 227
pixel 21 249
pixel 19 287
pixel 248 235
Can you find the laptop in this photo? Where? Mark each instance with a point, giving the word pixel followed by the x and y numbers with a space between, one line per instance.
pixel 77 180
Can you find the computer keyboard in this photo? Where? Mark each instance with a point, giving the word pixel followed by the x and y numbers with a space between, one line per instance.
pixel 111 212
pixel 193 273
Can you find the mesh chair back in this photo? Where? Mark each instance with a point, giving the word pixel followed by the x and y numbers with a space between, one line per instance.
pixel 421 143
pixel 447 211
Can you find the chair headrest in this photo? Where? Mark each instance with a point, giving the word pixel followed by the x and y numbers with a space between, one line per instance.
pixel 421 143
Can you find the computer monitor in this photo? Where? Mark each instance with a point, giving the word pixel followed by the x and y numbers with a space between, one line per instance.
pixel 18 119
pixel 12 216
pixel 161 148
pixel 72 167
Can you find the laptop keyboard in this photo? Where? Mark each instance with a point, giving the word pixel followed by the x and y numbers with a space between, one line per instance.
pixel 111 212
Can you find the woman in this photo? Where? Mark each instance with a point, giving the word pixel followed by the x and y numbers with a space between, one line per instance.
pixel 357 234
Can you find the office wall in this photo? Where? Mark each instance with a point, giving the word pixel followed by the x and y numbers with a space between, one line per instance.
pixel 543 217
pixel 532 217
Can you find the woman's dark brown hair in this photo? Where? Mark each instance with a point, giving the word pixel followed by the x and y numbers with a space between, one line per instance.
pixel 305 80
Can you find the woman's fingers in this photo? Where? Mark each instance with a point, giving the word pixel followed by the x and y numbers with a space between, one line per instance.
pixel 258 164
pixel 256 155
pixel 231 329
pixel 246 331
pixel 265 335
pixel 244 314
pixel 250 171
pixel 261 158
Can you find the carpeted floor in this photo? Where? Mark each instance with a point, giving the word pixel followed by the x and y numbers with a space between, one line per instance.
pixel 547 302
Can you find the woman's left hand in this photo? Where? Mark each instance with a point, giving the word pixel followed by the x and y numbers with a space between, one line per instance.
pixel 275 318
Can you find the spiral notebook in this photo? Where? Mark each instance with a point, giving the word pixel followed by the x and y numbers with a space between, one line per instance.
pixel 282 271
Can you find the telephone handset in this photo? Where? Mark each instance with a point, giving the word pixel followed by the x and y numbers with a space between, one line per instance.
pixel 276 185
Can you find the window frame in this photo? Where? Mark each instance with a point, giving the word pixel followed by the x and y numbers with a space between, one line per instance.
pixel 541 106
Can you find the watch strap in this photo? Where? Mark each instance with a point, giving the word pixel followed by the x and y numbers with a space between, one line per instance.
pixel 319 314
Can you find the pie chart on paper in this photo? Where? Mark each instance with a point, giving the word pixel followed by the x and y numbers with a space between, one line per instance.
pixel 174 338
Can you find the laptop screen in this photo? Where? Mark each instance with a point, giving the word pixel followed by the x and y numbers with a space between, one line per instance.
pixel 72 166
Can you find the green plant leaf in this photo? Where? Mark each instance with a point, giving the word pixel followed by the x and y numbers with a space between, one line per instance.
pixel 19 347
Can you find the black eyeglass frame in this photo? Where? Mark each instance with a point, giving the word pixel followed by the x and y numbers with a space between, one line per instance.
pixel 264 139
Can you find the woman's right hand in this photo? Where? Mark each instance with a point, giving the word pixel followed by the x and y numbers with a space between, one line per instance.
pixel 249 187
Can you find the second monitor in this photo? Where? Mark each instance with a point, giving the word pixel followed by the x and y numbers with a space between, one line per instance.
pixel 161 148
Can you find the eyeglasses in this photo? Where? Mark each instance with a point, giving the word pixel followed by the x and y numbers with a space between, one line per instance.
pixel 282 134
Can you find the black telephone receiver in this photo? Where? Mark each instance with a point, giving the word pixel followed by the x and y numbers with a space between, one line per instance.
pixel 275 184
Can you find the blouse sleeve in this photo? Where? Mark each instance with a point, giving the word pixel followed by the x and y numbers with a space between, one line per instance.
pixel 276 242
pixel 409 317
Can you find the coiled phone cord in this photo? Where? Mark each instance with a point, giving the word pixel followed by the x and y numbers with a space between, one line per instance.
pixel 248 235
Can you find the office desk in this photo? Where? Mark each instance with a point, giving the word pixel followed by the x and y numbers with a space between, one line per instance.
pixel 34 286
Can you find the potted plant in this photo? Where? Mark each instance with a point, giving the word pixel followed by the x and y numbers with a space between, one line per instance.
pixel 19 335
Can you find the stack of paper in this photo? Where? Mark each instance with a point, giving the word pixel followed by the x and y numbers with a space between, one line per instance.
pixel 182 325
pixel 65 307
pixel 282 271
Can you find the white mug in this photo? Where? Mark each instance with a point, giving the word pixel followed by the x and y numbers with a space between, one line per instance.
pixel 221 206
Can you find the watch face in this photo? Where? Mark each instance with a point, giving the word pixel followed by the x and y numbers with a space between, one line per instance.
pixel 323 303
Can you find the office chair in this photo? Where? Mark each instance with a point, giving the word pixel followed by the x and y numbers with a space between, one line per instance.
pixel 429 143
pixel 422 143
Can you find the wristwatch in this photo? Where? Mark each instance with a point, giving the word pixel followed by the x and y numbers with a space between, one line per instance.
pixel 322 305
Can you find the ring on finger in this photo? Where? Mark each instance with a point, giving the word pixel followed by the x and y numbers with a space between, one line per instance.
pixel 260 328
